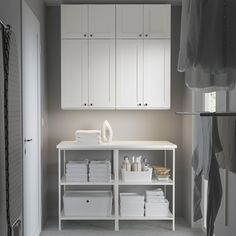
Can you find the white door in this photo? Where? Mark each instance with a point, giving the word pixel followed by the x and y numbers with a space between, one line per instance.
pixel 157 74
pixel 157 21
pixel 129 74
pixel 31 122
pixel 74 21
pixel 74 74
pixel 102 21
pixel 129 21
pixel 102 73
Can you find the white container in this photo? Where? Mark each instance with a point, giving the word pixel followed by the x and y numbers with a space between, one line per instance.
pixel 136 176
pixel 131 204
pixel 87 203
pixel 157 209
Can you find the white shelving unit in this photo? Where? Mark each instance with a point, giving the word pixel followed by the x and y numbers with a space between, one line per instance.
pixel 115 147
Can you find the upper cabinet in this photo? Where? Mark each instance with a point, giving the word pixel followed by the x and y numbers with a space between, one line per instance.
pixel 102 21
pixel 74 21
pixel 87 21
pixel 157 21
pixel 129 21
pixel 143 21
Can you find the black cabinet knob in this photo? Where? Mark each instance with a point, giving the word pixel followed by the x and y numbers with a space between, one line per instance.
pixel 91 35
pixel 85 104
pixel 146 35
pixel 139 104
pixel 85 35
pixel 146 104
pixel 91 104
pixel 140 35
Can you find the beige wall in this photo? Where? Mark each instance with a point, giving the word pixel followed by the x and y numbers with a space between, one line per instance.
pixel 148 125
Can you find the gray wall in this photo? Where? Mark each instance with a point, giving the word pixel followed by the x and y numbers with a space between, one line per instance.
pixel 39 9
pixel 148 125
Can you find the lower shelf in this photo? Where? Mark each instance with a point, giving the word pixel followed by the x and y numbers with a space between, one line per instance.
pixel 63 217
pixel 168 217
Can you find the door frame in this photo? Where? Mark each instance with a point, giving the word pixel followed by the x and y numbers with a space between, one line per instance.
pixel 39 114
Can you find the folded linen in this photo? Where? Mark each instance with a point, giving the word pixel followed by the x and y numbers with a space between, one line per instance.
pixel 76 175
pixel 74 179
pixel 156 192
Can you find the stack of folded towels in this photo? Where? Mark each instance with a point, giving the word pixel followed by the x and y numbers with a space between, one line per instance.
pixel 88 137
pixel 77 171
pixel 100 171
pixel 156 204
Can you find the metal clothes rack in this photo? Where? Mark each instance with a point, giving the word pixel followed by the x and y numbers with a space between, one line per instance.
pixel 210 114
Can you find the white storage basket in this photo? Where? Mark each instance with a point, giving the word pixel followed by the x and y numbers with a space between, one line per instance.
pixel 131 204
pixel 87 203
pixel 136 176
pixel 157 209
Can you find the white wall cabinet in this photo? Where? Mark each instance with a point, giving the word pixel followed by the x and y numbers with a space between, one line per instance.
pixel 157 21
pixel 129 74
pixel 129 21
pixel 74 21
pixel 143 21
pixel 102 21
pixel 156 74
pixel 115 56
pixel 74 74
pixel 143 74
pixel 102 73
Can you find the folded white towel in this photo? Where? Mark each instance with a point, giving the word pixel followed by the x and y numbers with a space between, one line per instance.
pixel 75 179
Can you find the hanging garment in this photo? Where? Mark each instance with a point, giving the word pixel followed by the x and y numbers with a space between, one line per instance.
pixel 11 161
pixel 205 164
pixel 227 134
pixel 207 52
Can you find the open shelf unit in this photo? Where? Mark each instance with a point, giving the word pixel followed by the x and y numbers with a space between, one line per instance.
pixel 116 182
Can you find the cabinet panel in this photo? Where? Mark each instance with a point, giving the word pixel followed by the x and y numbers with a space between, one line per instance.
pixel 129 73
pixel 157 73
pixel 74 73
pixel 102 21
pixel 157 21
pixel 74 21
pixel 102 73
pixel 129 21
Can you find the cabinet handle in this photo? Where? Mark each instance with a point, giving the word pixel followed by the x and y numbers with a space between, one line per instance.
pixel 140 35
pixel 139 104
pixel 91 35
pixel 146 35
pixel 85 104
pixel 91 104
pixel 145 104
pixel 85 35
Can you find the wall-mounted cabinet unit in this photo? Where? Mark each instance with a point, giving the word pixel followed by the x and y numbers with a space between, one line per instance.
pixel 115 56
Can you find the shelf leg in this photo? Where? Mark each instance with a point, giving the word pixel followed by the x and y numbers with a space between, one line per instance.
pixel 173 192
pixel 165 164
pixel 64 166
pixel 59 189
pixel 116 187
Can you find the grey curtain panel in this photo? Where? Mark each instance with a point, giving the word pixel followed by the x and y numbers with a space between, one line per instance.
pixel 11 163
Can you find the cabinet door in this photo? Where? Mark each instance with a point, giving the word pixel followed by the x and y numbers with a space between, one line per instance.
pixel 102 73
pixel 74 21
pixel 74 74
pixel 157 74
pixel 129 21
pixel 102 21
pixel 129 74
pixel 157 20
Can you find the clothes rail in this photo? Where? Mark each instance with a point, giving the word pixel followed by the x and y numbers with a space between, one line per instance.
pixel 207 113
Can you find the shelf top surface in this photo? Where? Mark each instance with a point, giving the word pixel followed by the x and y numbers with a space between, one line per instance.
pixel 119 145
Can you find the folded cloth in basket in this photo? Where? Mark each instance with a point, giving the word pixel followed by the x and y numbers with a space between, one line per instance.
pixel 156 192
